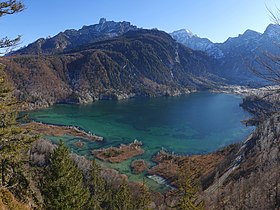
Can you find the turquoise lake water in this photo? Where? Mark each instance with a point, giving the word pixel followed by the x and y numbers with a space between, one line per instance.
pixel 191 124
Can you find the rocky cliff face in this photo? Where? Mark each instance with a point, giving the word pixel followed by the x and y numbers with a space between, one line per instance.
pixel 70 39
pixel 195 42
pixel 138 63
pixel 255 184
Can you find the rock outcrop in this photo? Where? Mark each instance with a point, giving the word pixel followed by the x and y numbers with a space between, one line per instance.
pixel 255 182
pixel 70 39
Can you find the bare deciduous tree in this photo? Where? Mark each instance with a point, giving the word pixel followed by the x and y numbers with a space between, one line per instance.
pixel 266 101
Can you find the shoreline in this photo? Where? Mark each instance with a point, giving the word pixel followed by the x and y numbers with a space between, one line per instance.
pixel 60 130
pixel 28 106
pixel 162 169
pixel 239 90
pixel 176 156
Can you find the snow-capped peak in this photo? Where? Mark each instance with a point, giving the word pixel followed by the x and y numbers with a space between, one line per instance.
pixel 183 33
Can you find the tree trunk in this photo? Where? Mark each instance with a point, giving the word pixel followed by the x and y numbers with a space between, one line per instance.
pixel 3 172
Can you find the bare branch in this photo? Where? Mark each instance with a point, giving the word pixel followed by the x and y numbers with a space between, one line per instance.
pixel 274 16
pixel 267 67
pixel 270 68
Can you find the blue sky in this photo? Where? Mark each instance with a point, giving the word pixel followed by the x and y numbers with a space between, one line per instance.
pixel 214 19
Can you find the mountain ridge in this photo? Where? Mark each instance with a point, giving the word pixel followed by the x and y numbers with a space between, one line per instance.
pixel 236 57
pixel 115 60
pixel 72 38
pixel 139 63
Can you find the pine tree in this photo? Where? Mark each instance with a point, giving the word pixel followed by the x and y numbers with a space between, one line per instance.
pixel 122 199
pixel 14 141
pixel 97 186
pixel 108 204
pixel 63 184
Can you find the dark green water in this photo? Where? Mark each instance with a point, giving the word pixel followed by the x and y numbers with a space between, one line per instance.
pixel 196 123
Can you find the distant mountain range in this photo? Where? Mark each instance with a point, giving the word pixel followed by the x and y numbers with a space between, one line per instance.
pixel 118 60
pixel 237 55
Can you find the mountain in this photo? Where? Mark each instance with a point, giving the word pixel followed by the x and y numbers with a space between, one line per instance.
pixel 138 63
pixel 194 42
pixel 118 60
pixel 236 57
pixel 70 39
pixel 233 60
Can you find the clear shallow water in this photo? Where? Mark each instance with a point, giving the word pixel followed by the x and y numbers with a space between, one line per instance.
pixel 196 123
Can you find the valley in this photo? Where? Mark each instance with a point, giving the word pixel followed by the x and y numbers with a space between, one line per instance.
pixel 152 108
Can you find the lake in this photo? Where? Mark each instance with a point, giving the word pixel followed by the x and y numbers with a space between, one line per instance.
pixel 191 124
